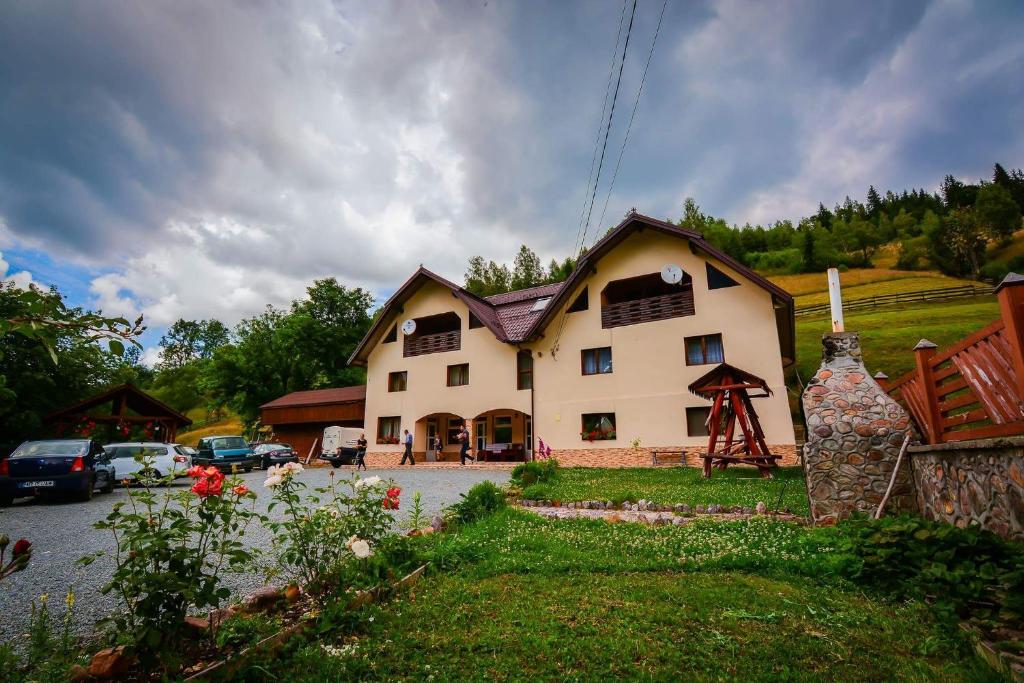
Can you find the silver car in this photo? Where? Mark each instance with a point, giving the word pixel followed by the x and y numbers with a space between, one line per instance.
pixel 150 459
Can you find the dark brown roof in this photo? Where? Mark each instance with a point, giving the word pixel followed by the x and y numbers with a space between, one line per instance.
pixel 137 400
pixel 510 318
pixel 704 385
pixel 319 397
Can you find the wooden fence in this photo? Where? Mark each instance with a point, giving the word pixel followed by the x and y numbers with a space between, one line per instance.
pixel 975 388
pixel 940 294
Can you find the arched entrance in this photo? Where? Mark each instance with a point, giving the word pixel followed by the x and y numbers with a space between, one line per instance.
pixel 502 434
pixel 443 425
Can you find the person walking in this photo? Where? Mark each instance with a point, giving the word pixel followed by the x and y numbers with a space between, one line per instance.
pixel 464 437
pixel 361 452
pixel 407 440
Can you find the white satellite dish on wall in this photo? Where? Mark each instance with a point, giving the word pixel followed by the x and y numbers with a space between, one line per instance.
pixel 672 274
pixel 409 326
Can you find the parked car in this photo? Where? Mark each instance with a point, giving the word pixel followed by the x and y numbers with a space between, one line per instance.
pixel 147 459
pixel 275 454
pixel 37 468
pixel 184 450
pixel 225 453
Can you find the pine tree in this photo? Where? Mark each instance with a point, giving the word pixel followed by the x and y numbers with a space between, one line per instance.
pixel 874 202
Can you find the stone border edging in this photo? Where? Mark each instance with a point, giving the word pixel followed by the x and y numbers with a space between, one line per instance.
pixel 653 517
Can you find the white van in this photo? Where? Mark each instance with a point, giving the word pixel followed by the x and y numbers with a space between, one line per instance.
pixel 340 445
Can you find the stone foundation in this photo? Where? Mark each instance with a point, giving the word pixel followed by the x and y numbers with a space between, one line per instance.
pixel 599 457
pixel 854 434
pixel 973 482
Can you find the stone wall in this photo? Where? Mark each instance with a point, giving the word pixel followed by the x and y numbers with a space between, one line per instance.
pixel 972 482
pixel 601 457
pixel 854 434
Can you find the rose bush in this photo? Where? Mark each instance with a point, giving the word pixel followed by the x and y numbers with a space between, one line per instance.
pixel 171 550
pixel 324 531
pixel 21 553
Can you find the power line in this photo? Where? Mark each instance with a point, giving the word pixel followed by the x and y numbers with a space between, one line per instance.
pixel 608 128
pixel 636 104
pixel 600 122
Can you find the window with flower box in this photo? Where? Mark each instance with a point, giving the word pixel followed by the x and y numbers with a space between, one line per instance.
pixel 398 381
pixel 598 426
pixel 388 429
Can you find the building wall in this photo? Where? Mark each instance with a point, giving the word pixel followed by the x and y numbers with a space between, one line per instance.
pixel 647 389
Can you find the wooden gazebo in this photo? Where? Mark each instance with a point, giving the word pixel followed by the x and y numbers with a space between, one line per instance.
pixel 729 390
pixel 128 406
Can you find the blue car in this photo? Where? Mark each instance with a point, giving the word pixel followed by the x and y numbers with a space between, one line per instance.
pixel 225 453
pixel 59 466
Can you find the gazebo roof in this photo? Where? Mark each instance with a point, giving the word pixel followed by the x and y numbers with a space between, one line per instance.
pixel 134 398
pixel 727 376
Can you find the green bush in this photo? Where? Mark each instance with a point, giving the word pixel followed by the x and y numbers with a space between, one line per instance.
pixel 482 500
pixel 994 271
pixel 537 492
pixel 535 471
pixel 911 557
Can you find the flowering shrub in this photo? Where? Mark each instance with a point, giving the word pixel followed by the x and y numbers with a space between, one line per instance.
pixel 324 531
pixel 543 450
pixel 597 435
pixel 390 440
pixel 21 553
pixel 171 550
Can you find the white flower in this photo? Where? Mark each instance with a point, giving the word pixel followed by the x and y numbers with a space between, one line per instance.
pixel 293 467
pixel 273 480
pixel 370 481
pixel 350 541
pixel 361 549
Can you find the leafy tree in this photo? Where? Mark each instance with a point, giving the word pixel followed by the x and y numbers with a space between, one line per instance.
pixel 527 270
pixel 997 212
pixel 560 272
pixel 1013 182
pixel 905 226
pixel 957 244
pixel 485 278
pixel 332 317
pixel 956 194
pixel 187 341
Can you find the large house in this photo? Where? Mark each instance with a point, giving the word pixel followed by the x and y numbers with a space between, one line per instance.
pixel 597 366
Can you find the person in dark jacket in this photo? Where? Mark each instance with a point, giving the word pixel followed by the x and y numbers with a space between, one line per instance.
pixel 407 440
pixel 361 452
pixel 464 437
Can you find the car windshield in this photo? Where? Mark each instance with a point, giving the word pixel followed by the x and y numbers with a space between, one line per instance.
pixel 228 442
pixel 36 448
pixel 133 451
pixel 267 447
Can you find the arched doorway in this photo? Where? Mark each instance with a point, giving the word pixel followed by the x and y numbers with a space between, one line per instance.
pixel 502 434
pixel 443 425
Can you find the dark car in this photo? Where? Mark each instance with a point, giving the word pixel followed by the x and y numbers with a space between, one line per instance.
pixel 275 454
pixel 72 466
pixel 225 453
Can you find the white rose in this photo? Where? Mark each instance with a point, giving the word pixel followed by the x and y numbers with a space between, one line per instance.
pixel 361 549
pixel 370 481
pixel 273 480
pixel 351 541
pixel 293 467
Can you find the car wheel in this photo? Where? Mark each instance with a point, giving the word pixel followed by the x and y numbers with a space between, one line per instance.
pixel 108 484
pixel 86 495
pixel 6 501
pixel 335 464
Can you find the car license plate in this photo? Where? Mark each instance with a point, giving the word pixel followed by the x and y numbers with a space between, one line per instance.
pixel 35 484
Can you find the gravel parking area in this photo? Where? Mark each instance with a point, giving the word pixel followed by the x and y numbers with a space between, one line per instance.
pixel 62 532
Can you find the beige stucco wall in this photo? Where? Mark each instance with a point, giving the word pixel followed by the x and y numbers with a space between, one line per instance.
pixel 647 390
pixel 492 373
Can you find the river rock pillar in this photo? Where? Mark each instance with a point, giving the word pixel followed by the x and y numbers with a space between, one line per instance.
pixel 854 434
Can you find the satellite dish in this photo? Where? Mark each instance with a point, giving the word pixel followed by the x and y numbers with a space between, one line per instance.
pixel 409 326
pixel 672 274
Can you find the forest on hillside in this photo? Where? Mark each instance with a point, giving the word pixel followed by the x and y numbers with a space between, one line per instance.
pixel 950 231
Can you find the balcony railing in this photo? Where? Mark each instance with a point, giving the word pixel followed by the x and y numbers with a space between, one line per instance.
pixel 432 343
pixel 647 310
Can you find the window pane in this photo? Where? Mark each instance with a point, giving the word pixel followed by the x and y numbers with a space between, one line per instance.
pixel 605 356
pixel 715 352
pixel 589 363
pixel 696 421
pixel 694 352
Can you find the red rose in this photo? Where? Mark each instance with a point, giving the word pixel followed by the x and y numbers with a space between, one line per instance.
pixel 394 492
pixel 20 548
pixel 240 490
pixel 195 471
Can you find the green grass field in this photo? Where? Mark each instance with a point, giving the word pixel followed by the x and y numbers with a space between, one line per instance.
pixel 518 598
pixel 734 486
pixel 888 335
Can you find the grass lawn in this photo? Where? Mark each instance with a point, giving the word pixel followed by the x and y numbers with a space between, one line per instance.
pixel 806 284
pixel 231 425
pixel 888 335
pixel 515 597
pixel 734 486
pixel 915 283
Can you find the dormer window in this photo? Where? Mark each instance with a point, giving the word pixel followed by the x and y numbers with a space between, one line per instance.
pixel 645 299
pixel 540 304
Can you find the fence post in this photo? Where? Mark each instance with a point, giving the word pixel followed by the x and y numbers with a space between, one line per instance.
pixel 1011 306
pixel 923 353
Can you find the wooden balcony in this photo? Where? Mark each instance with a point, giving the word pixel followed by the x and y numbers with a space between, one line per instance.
pixel 432 343
pixel 647 310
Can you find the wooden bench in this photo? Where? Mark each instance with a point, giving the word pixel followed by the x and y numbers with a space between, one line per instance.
pixel 668 458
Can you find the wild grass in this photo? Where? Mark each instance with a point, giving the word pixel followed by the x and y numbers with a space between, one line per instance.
pixel 733 486
pixel 230 425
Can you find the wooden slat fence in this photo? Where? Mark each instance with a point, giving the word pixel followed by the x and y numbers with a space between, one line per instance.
pixel 939 294
pixel 645 310
pixel 432 343
pixel 975 388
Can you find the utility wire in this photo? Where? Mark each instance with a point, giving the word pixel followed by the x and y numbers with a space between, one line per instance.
pixel 600 123
pixel 608 128
pixel 636 104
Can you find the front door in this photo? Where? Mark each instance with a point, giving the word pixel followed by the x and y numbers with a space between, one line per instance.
pixel 431 435
pixel 528 428
pixel 481 434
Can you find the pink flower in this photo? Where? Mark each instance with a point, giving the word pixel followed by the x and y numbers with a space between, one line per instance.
pixel 240 490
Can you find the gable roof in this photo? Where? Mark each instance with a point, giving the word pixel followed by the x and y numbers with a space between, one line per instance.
pixel 706 386
pixel 319 397
pixel 511 318
pixel 135 399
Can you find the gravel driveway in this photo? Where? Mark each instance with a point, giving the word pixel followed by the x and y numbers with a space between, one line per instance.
pixel 61 532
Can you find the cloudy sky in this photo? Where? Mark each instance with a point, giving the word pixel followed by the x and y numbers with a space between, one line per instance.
pixel 203 159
